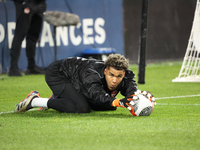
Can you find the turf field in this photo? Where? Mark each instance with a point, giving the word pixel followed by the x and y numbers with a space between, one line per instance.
pixel 173 124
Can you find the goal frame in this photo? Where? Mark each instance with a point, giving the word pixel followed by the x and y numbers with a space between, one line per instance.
pixel 190 70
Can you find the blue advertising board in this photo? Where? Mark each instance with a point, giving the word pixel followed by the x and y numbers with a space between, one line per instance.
pixel 101 26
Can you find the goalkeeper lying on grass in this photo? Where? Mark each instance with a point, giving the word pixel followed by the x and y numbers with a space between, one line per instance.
pixel 80 85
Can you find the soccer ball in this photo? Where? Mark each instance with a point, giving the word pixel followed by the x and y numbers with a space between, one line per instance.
pixel 141 105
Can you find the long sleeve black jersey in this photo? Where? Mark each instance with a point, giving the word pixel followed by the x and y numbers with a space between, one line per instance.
pixel 87 77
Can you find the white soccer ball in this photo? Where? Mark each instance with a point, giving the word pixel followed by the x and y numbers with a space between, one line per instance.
pixel 142 105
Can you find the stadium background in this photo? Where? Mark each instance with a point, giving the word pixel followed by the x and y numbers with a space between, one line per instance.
pixel 107 23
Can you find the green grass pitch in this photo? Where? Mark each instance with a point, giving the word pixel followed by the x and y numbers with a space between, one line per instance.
pixel 173 124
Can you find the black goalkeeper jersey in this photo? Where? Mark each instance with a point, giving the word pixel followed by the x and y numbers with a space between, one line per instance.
pixel 87 77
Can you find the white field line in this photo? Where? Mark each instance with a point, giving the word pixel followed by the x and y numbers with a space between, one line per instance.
pixel 178 104
pixel 9 112
pixel 155 98
pixel 177 97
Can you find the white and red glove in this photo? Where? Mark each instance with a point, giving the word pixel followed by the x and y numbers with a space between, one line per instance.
pixel 128 102
pixel 125 102
pixel 149 96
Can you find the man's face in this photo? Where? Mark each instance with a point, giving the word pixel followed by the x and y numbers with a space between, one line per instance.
pixel 113 77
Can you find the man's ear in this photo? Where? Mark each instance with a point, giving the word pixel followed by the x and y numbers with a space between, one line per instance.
pixel 105 70
pixel 124 74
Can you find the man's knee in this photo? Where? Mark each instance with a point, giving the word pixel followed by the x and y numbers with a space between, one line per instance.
pixel 84 109
pixel 65 105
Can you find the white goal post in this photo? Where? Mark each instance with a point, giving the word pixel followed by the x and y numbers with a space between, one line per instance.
pixel 190 70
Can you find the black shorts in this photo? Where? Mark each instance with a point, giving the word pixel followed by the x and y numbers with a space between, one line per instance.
pixel 66 97
pixel 55 78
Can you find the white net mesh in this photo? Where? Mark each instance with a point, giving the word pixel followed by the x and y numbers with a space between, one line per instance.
pixel 190 70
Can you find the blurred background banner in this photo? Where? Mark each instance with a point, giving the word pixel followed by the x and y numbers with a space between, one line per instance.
pixel 101 26
pixel 106 23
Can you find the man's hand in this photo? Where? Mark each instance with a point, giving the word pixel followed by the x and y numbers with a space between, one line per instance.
pixel 27 10
pixel 125 102
pixel 128 102
pixel 149 96
pixel 26 6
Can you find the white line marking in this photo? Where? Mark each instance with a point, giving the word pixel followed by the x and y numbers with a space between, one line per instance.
pixel 155 98
pixel 6 112
pixel 177 97
pixel 178 104
pixel 9 112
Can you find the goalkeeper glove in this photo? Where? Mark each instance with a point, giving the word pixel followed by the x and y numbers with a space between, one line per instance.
pixel 149 96
pixel 125 102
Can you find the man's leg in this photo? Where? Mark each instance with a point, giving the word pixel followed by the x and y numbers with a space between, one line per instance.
pixel 31 40
pixel 70 101
pixel 22 25
pixel 66 98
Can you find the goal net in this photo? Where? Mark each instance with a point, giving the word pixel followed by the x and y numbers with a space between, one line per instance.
pixel 190 70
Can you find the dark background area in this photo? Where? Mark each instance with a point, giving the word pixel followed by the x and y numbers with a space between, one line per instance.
pixel 169 27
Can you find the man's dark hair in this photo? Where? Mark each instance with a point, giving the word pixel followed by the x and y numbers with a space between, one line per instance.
pixel 117 61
